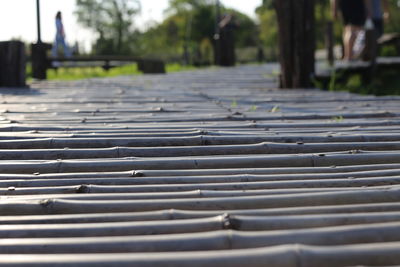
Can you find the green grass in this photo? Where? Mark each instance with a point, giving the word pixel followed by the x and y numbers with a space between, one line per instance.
pixel 66 74
pixel 175 67
pixel 69 74
pixel 384 82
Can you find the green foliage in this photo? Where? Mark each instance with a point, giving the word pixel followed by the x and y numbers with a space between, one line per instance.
pixel 234 104
pixel 175 67
pixel 112 20
pixel 393 24
pixel 275 109
pixel 268 32
pixel 384 82
pixel 190 24
pixel 337 119
pixel 253 108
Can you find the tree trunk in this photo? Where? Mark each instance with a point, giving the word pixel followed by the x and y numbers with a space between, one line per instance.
pixel 296 41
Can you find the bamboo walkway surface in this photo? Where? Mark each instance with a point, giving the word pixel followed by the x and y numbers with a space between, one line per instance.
pixel 204 168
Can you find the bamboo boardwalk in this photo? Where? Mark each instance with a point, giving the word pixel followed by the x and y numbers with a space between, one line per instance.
pixel 204 168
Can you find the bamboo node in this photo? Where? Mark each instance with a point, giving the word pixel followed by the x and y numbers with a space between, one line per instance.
pixel 83 189
pixel 300 143
pixel 46 202
pixel 11 188
pixel 137 174
pixel 160 109
pixel 226 221
pixel 36 173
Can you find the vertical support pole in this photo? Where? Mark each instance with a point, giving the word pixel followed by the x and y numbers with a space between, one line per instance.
pixel 217 35
pixel 296 20
pixel 330 43
pixel 39 51
pixel 38 22
pixel 188 34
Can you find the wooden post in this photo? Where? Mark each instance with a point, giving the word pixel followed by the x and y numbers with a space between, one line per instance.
pixel 149 66
pixel 12 64
pixel 40 62
pixel 296 41
pixel 217 34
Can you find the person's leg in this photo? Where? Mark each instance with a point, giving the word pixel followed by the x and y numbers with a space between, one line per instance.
pixel 347 36
pixel 354 31
pixel 54 53
pixel 378 24
pixel 54 50
pixel 66 50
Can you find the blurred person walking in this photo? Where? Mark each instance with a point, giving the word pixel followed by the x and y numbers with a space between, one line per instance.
pixel 354 14
pixel 379 13
pixel 60 38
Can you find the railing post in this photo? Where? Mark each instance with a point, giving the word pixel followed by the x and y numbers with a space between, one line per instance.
pixel 12 64
pixel 296 21
pixel 330 44
pixel 40 61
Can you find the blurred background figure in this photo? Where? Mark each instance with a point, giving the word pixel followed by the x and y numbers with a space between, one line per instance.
pixel 354 14
pixel 379 12
pixel 227 38
pixel 60 38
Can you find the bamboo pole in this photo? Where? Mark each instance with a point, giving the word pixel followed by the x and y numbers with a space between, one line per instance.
pixel 45 143
pixel 239 223
pixel 372 170
pixel 281 256
pixel 217 240
pixel 50 206
pixel 173 214
pixel 175 151
pixel 219 188
pixel 212 182
pixel 114 228
pixel 89 192
pixel 219 162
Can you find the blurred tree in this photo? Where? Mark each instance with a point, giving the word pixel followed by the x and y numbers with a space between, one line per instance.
pixel 268 29
pixel 268 25
pixel 190 26
pixel 112 20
